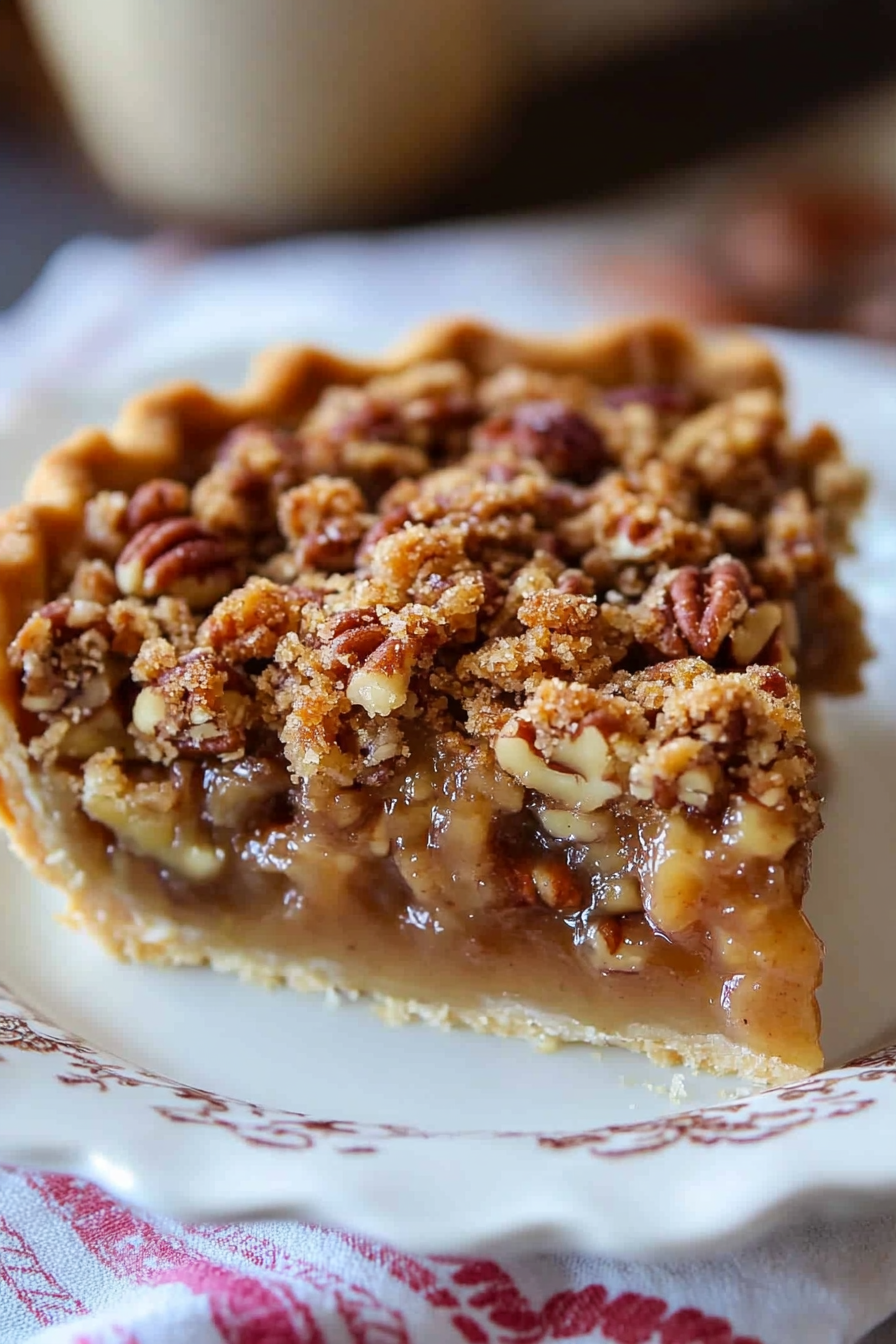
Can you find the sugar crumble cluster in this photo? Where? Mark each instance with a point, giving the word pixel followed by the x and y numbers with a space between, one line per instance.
pixel 612 589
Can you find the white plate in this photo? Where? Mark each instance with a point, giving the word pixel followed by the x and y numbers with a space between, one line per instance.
pixel 456 1142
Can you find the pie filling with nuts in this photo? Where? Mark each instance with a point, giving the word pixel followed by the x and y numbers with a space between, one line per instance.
pixel 466 680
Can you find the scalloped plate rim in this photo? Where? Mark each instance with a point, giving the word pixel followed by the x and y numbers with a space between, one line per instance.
pixel 683 1196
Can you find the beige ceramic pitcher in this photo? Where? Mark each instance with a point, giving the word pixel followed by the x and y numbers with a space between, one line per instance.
pixel 258 113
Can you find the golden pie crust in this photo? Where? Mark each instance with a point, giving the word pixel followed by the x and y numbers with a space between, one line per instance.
pixel 173 435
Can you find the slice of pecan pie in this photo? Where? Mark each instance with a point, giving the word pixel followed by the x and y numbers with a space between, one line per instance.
pixel 465 680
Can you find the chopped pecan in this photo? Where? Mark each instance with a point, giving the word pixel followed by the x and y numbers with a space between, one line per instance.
pixel 378 466
pixel 682 770
pixel 443 418
pixel 193 706
pixel 391 521
pixel 93 581
pixel 732 449
pixel 105 523
pixel 151 817
pixel 736 529
pixel 379 661
pixel 371 419
pixel 516 873
pixel 62 652
pixel 429 407
pixel 619 944
pixel 573 770
pixel 252 467
pixel 517 383
pixel 332 549
pixel 775 683
pixel 249 623
pixel 628 531
pixel 354 645
pixel 562 440
pixel 380 684
pixel 795 545
pixel 324 521
pixel 610 932
pixel 180 557
pixel 393 428
pixel 754 634
pixel 575 581
pixel 99 730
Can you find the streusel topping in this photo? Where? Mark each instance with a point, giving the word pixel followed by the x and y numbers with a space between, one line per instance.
pixel 529 560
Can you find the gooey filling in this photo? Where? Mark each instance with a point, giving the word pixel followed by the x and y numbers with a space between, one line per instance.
pixel 454 883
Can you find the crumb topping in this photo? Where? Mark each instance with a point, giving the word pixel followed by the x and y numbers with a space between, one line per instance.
pixel 611 584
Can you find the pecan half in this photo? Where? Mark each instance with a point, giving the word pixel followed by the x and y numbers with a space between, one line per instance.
pixel 154 501
pixel 707 604
pixel 355 645
pixel 179 557
pixel 352 636
pixel 562 440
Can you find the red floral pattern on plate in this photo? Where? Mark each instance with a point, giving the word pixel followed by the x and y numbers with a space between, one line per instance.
pixel 837 1094
pixel 828 1096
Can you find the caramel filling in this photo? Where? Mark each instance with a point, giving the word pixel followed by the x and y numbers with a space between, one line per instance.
pixel 453 883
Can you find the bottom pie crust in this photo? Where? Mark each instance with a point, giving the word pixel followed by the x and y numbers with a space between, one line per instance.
pixel 173 946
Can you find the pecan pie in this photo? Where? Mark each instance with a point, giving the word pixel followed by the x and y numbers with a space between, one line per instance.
pixel 465 680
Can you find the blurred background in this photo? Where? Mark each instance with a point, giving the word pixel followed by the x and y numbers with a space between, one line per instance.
pixel 726 159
